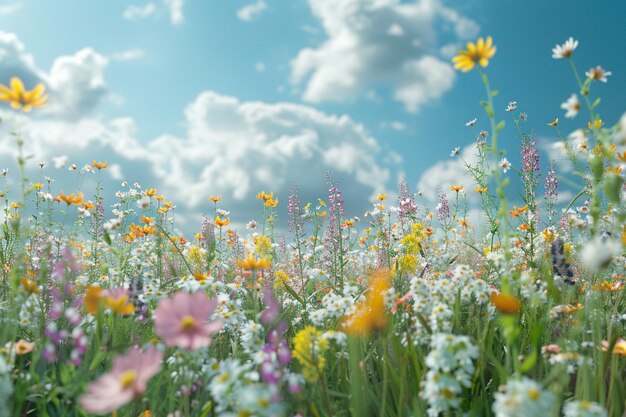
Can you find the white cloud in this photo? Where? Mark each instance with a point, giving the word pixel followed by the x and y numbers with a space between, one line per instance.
pixel 77 83
pixel 230 147
pixel 233 148
pixel 374 43
pixel 133 12
pixel 8 9
pixel 128 55
pixel 259 67
pixel 251 11
pixel 176 11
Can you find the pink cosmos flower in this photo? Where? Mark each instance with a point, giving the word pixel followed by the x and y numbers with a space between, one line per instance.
pixel 127 380
pixel 183 320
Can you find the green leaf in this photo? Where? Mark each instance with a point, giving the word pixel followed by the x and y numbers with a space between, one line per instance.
pixel 494 93
pixel 293 293
pixel 529 362
pixel 484 103
pixel 595 103
pixel 500 126
pixel 107 238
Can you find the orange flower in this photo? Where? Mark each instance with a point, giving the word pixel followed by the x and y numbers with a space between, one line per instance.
pixel 151 192
pixel 30 285
pixel 222 222
pixel 456 188
pixel 521 209
pixel 370 315
pixel 481 189
pixel 381 197
pixel 70 199
pixel 215 199
pixel 554 123
pixel 100 165
pixel 505 304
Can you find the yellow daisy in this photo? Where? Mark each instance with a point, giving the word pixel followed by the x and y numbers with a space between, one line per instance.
pixel 480 52
pixel 20 98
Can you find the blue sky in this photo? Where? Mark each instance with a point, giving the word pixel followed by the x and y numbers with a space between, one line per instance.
pixel 234 97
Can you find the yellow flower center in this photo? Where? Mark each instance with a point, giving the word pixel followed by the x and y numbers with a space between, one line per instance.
pixel 188 323
pixel 128 378
pixel 534 394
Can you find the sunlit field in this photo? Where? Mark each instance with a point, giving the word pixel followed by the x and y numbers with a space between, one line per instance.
pixel 413 308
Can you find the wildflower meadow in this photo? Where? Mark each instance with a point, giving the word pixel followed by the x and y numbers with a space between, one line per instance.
pixel 408 309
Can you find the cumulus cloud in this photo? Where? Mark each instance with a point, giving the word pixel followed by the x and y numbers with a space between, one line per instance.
pixel 175 8
pixel 133 12
pixel 250 11
pixel 229 147
pixel 232 148
pixel 373 43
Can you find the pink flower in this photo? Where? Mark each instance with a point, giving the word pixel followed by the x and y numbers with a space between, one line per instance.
pixel 182 321
pixel 127 380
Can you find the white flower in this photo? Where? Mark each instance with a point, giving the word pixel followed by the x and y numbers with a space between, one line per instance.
pixel 598 74
pixel 523 398
pixel 60 161
pixel 143 202
pixel 565 50
pixel 596 254
pixel 512 106
pixel 572 105
pixel 505 165
pixel 73 167
pixel 41 164
pixel 583 409
pixel 471 122
pixel 455 151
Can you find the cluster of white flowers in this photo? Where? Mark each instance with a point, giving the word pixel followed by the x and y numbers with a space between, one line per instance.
pixel 523 398
pixel 252 337
pixel 583 409
pixel 236 389
pixel 433 297
pixel 335 306
pixel 450 367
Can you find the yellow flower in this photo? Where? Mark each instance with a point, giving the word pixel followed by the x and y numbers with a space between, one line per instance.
pixel 92 299
pixel 222 222
pixel 480 52
pixel 265 197
pixel 119 304
pixel 597 124
pixel 370 315
pixel 381 197
pixel 554 123
pixel 271 203
pixel 250 263
pixel 308 349
pixel 481 189
pixel 456 188
pixel 20 98
pixel 30 285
